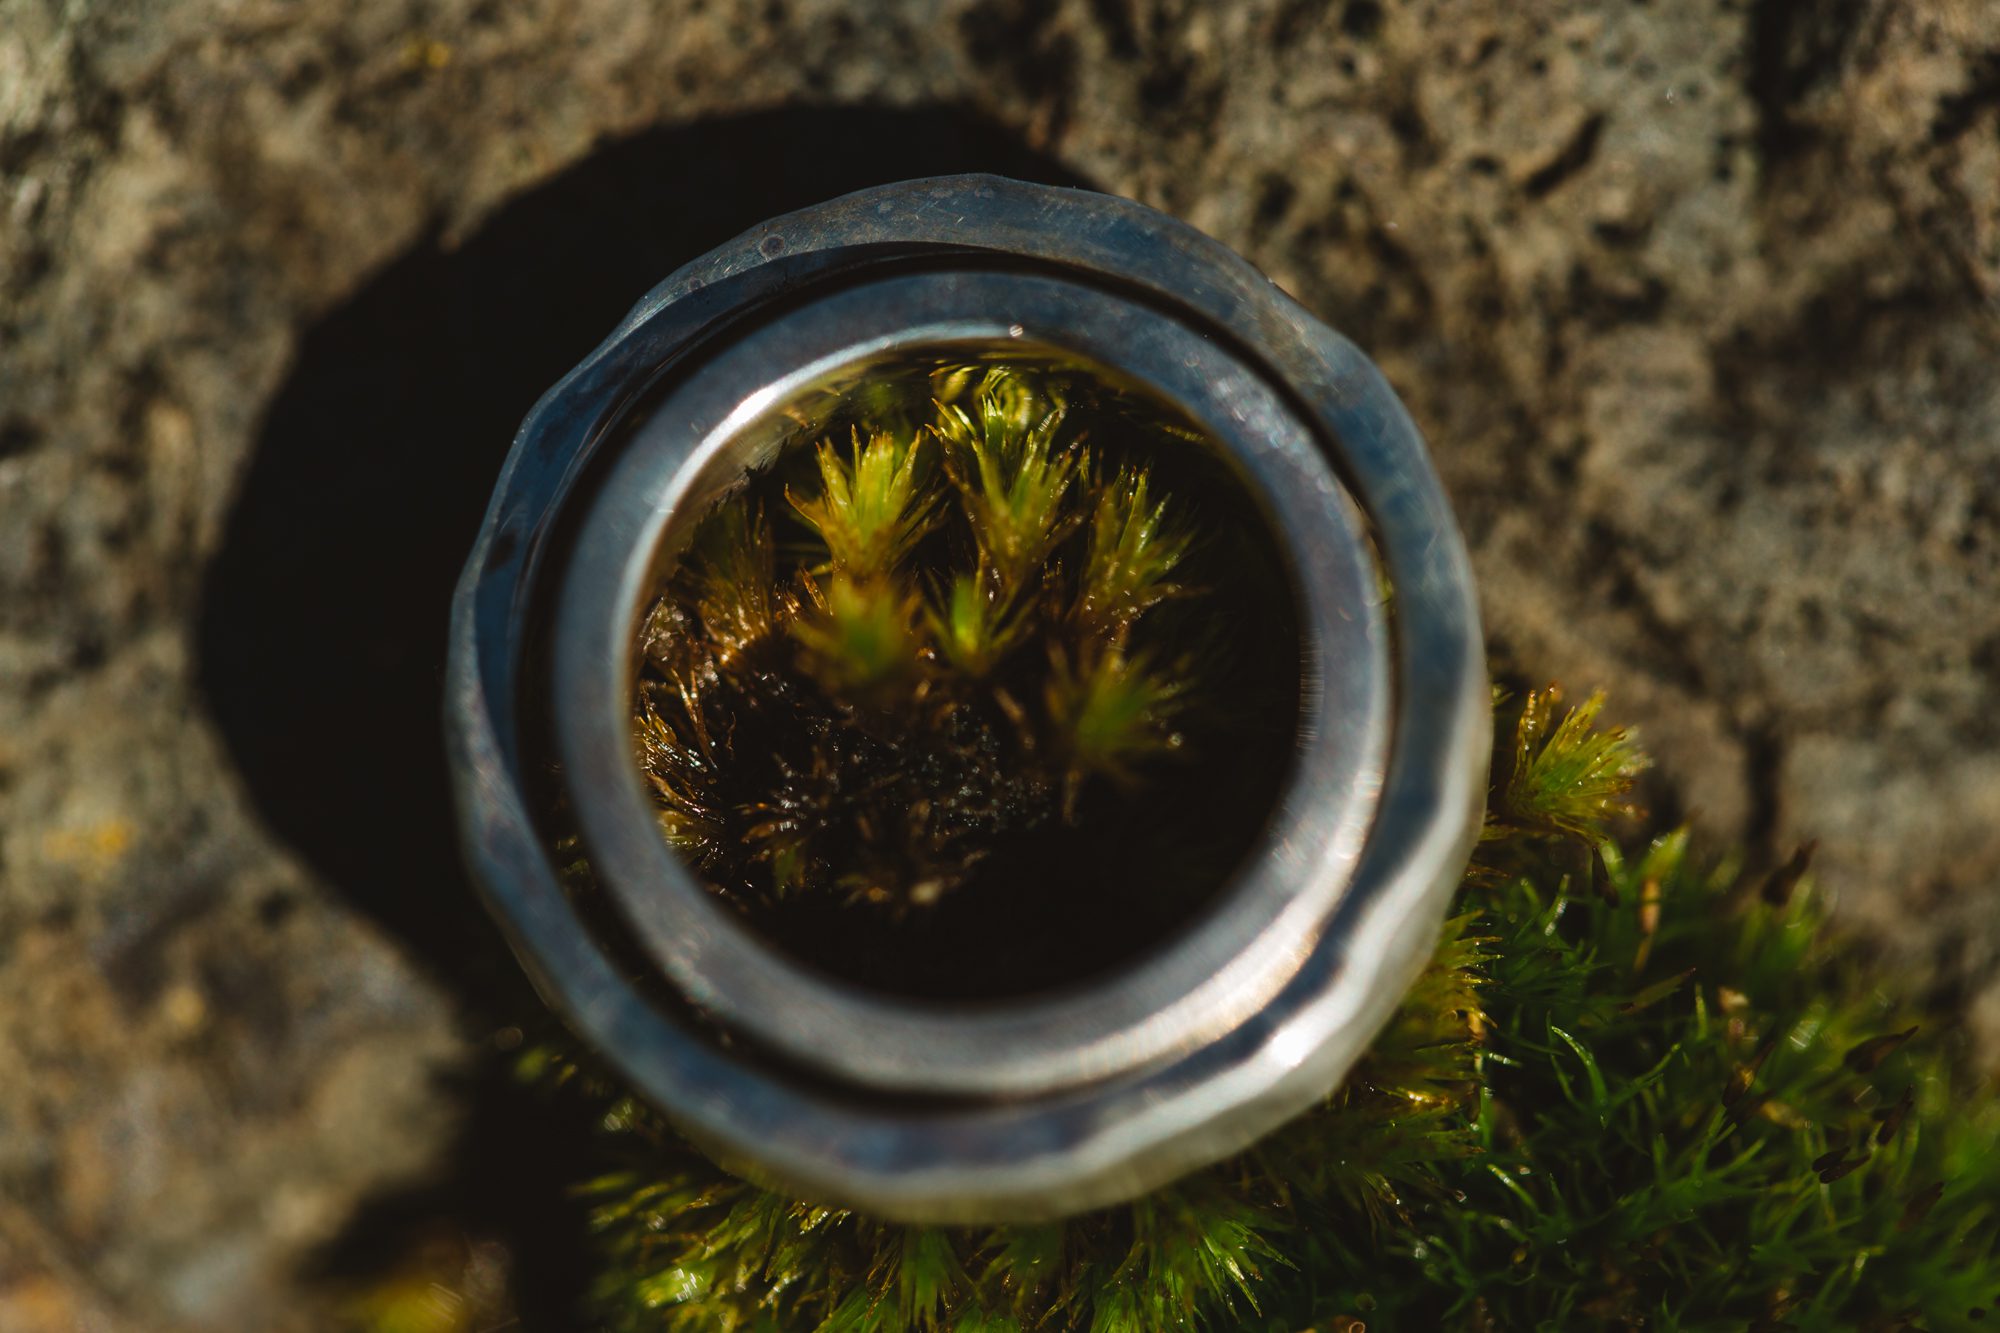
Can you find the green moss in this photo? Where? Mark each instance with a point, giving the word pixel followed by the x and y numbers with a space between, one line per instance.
pixel 925 680
pixel 1633 1090
pixel 953 618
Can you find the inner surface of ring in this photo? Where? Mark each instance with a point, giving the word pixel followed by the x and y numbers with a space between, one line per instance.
pixel 969 673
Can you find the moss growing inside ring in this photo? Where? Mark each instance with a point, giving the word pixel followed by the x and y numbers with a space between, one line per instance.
pixel 938 699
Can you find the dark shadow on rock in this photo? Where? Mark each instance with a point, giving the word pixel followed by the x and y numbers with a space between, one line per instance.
pixel 510 1184
pixel 323 623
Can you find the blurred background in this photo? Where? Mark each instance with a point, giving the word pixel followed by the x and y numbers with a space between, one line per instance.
pixel 1698 303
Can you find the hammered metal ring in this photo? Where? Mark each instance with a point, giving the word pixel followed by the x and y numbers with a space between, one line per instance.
pixel 1012 1109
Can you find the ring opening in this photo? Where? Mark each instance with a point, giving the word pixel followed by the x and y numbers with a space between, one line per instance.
pixel 969 673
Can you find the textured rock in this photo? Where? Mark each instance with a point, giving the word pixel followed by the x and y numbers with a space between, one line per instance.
pixel 1696 302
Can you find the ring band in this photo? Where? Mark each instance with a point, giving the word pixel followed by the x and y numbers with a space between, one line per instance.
pixel 1007 1110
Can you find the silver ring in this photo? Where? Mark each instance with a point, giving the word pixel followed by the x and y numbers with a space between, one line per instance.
pixel 1009 1109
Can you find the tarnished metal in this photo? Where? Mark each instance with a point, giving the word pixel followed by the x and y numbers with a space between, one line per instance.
pixel 1009 1109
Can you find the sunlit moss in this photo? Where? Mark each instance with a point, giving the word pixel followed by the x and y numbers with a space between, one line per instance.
pixel 1653 1101
pixel 942 653
pixel 1134 548
pixel 872 504
pixel 1014 481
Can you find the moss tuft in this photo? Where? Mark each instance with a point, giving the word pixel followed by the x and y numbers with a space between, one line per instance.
pixel 1672 1105
pixel 919 654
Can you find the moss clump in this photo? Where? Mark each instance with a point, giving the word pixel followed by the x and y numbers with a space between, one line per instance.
pixel 1632 1091
pixel 943 652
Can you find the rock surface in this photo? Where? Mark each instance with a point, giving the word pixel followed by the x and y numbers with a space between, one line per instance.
pixel 1699 304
